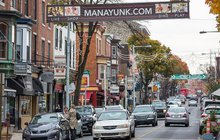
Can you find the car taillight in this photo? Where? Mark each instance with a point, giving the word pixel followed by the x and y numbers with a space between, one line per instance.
pixel 167 115
pixel 184 115
pixel 203 115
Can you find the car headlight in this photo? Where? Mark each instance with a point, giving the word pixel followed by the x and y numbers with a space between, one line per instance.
pixel 164 110
pixel 27 131
pixel 123 126
pixel 97 127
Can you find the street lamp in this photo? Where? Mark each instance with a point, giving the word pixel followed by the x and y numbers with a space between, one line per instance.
pixel 204 32
pixel 134 81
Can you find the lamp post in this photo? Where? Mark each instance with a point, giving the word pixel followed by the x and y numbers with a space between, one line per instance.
pixel 133 76
pixel 204 32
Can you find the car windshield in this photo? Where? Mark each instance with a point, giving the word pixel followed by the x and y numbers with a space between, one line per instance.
pixel 46 118
pixel 215 110
pixel 84 110
pixel 142 109
pixel 113 108
pixel 115 115
pixel 177 110
pixel 158 104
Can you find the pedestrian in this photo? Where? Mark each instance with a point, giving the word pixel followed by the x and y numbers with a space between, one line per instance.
pixel 73 122
pixel 65 112
pixel 58 109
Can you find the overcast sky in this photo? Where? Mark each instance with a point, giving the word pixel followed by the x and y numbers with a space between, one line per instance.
pixel 182 35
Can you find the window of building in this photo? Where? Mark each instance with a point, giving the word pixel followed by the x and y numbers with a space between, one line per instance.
pixel 114 51
pixel 3 40
pixel 61 36
pixel 43 12
pixel 56 38
pixel 13 3
pixel 25 105
pixel 48 62
pixel 35 48
pixel 26 7
pixel 35 9
pixel 28 46
pixel 101 71
pixel 113 76
pixel 43 52
pixel 66 50
pixel 19 45
pixel 70 53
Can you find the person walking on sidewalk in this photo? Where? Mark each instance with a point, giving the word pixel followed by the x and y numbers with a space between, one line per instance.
pixel 65 112
pixel 73 122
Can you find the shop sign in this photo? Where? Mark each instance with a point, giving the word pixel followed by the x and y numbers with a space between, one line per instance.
pixel 114 89
pixel 22 69
pixel 47 77
pixel 119 11
pixel 85 80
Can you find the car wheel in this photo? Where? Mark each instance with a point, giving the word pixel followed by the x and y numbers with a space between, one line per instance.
pixel 95 138
pixel 156 123
pixel 133 133
pixel 200 130
pixel 167 124
pixel 187 124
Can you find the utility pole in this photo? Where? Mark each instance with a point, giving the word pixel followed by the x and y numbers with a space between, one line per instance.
pixel 134 82
pixel 68 66
pixel 126 92
pixel 2 83
pixel 105 87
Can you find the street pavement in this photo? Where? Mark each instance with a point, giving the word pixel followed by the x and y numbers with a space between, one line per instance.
pixel 160 132
pixel 173 132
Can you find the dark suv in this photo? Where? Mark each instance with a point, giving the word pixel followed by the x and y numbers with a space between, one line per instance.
pixel 145 114
pixel 160 108
pixel 88 117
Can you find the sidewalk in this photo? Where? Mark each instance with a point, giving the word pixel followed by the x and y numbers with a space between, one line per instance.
pixel 16 136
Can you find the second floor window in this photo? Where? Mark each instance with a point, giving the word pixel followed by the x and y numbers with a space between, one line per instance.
pixel 61 36
pixel 2 1
pixel 26 7
pixel 19 45
pixel 43 52
pixel 28 46
pixel 43 12
pixel 48 62
pixel 35 48
pixel 3 40
pixel 56 38
pixel 13 3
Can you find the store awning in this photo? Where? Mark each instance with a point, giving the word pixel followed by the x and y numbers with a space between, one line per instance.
pixel 8 92
pixel 20 87
pixel 37 86
pixel 89 89
pixel 216 93
pixel 88 95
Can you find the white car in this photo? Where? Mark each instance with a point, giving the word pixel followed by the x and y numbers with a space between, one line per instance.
pixel 179 102
pixel 193 103
pixel 114 124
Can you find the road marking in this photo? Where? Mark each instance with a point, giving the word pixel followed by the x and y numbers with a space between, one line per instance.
pixel 149 132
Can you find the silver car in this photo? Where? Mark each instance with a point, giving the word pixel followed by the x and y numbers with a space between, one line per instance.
pixel 114 124
pixel 192 102
pixel 177 115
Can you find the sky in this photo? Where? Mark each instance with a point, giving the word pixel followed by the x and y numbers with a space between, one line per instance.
pixel 183 37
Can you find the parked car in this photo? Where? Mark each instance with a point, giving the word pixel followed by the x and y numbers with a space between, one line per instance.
pixel 206 114
pixel 47 126
pixel 145 114
pixel 160 108
pixel 192 102
pixel 114 124
pixel 209 102
pixel 88 117
pixel 178 101
pixel 177 115
pixel 99 111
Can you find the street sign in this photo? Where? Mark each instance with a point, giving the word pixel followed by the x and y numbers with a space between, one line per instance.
pixel 119 11
pixel 187 77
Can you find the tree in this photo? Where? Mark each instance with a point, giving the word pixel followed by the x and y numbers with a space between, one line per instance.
pixel 215 9
pixel 84 31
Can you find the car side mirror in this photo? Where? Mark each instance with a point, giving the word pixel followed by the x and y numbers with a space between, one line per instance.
pixel 26 123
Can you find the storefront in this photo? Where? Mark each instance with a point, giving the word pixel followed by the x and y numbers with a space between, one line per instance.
pixel 88 96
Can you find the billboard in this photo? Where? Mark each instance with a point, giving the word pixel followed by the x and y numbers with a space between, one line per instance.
pixel 120 11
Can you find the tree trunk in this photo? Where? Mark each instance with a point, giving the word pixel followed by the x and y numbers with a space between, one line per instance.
pixel 83 58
